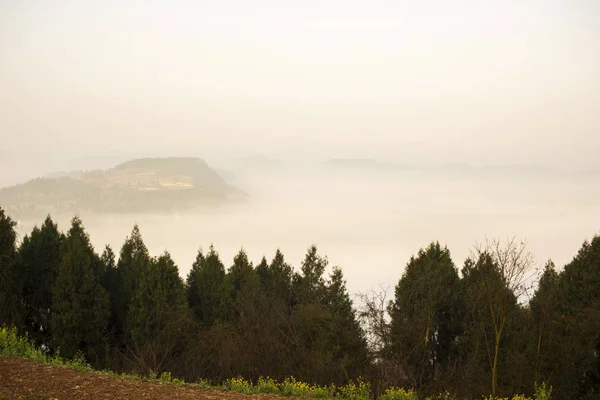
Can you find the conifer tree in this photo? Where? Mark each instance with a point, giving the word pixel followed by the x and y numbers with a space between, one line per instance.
pixel 110 282
pixel 576 362
pixel 425 315
pixel 191 284
pixel 10 297
pixel 493 279
pixel 309 285
pixel 208 295
pixel 134 262
pixel 39 256
pixel 158 318
pixel 347 341
pixel 80 303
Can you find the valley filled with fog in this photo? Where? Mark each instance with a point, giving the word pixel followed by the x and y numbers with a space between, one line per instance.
pixel 367 221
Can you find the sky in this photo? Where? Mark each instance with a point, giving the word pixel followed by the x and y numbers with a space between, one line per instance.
pixel 512 82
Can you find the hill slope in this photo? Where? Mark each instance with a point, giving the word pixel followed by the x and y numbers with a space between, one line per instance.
pixel 28 379
pixel 150 184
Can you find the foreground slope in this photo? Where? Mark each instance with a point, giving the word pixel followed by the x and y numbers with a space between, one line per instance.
pixel 28 379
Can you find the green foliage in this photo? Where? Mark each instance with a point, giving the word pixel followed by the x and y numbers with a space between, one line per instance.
pixel 11 309
pixel 11 344
pixel 543 391
pixel 207 290
pixel 80 303
pixel 360 390
pixel 166 377
pixel 239 385
pixel 425 314
pixel 14 345
pixel 203 383
pixel 267 386
pixel 266 324
pixel 39 257
pixel 158 316
pixel 395 393
pixel 291 387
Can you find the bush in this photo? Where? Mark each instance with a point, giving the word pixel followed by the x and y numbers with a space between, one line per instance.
pixel 267 386
pixel 292 387
pixel 394 393
pixel 13 345
pixel 355 391
pixel 239 384
pixel 543 391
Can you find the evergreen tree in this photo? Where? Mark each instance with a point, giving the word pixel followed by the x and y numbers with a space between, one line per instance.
pixel 110 282
pixel 493 280
pixel 348 342
pixel 39 256
pixel 192 286
pixel 425 316
pixel 262 270
pixel 544 314
pixel 577 360
pixel 309 285
pixel 80 303
pixel 11 311
pixel 240 272
pixel 279 279
pixel 208 294
pixel 134 262
pixel 158 318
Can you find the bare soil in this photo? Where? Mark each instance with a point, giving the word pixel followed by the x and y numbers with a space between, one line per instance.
pixel 27 379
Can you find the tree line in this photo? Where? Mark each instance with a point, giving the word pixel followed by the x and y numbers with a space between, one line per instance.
pixel 495 326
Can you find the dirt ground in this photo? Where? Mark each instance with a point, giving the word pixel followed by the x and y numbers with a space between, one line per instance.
pixel 27 379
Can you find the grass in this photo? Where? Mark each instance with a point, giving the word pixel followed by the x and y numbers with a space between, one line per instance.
pixel 11 344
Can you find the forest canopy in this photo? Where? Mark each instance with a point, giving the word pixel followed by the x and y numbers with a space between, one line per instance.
pixel 494 325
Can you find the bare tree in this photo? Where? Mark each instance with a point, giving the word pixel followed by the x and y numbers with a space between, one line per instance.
pixel 511 269
pixel 374 317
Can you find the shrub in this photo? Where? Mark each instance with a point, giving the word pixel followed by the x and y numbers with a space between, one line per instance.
pixel 394 393
pixel 355 391
pixel 267 386
pixel 11 344
pixel 239 384
pixel 292 387
pixel 543 391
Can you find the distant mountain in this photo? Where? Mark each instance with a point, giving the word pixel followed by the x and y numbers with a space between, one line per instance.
pixel 150 184
pixel 453 169
pixel 257 162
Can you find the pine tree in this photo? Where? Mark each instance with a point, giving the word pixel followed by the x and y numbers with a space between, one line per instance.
pixel 192 285
pixel 110 283
pixel 80 303
pixel 39 256
pixel 545 317
pixel 208 294
pixel 576 362
pixel 158 318
pixel 280 277
pixel 11 311
pixel 134 262
pixel 347 340
pixel 424 315
pixel 240 272
pixel 309 285
pixel 493 279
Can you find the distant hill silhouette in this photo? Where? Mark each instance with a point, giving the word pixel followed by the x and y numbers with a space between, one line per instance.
pixel 148 184
pixel 463 169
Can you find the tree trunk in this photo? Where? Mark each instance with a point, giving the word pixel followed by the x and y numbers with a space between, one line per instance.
pixel 495 366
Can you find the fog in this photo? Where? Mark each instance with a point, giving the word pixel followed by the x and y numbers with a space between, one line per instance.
pixel 369 222
pixel 87 85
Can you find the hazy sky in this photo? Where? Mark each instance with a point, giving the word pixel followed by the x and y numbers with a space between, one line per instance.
pixel 477 81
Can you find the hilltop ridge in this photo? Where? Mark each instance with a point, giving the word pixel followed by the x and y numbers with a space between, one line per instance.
pixel 145 184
